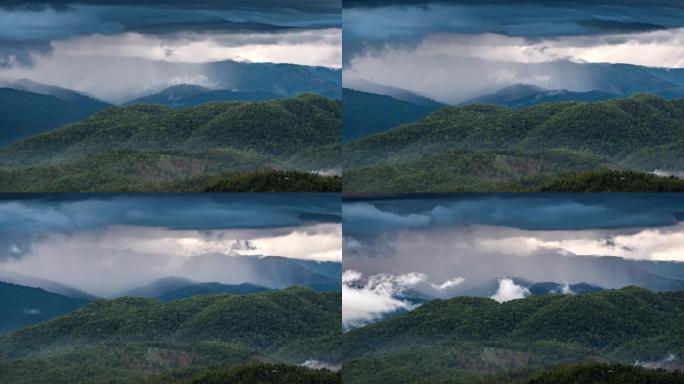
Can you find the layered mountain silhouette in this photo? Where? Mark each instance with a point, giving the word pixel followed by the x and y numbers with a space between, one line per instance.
pixel 523 95
pixel 45 284
pixel 27 111
pixel 28 108
pixel 174 288
pixel 394 92
pixel 21 306
pixel 180 96
pixel 366 113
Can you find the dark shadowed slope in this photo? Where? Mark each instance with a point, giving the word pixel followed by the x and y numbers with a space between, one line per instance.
pixel 24 113
pixel 21 306
pixel 366 113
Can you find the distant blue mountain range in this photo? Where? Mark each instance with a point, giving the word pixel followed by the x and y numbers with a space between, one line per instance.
pixel 28 108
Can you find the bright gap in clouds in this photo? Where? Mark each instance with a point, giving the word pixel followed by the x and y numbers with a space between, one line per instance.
pixel 662 244
pixel 108 261
pixel 320 47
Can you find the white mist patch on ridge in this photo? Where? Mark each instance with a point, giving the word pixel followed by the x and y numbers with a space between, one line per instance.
pixel 448 284
pixel 660 364
pixel 667 173
pixel 566 290
pixel 328 172
pixel 509 290
pixel 316 364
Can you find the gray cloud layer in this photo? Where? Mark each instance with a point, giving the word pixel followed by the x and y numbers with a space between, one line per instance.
pixel 455 51
pixel 23 219
pixel 108 243
pixel 475 240
pixel 129 42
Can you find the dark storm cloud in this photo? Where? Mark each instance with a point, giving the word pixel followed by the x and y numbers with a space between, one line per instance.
pixel 408 22
pixel 549 212
pixel 636 3
pixel 304 5
pixel 46 24
pixel 25 219
pixel 27 24
pixel 19 52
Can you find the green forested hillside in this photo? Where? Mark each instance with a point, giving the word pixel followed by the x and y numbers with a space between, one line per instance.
pixel 210 289
pixel 23 113
pixel 260 181
pixel 491 148
pixel 608 181
pixel 128 339
pixel 146 146
pixel 253 374
pixel 472 340
pixel 604 374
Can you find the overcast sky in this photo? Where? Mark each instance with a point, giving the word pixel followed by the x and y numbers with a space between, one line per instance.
pixel 104 244
pixel 446 244
pixel 457 50
pixel 108 39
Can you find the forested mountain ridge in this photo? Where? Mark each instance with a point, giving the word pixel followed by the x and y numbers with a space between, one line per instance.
pixel 129 339
pixel 523 95
pixel 467 339
pixel 154 144
pixel 641 133
pixel 185 95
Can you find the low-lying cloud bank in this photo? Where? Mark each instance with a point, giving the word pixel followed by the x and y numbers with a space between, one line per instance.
pixel 368 299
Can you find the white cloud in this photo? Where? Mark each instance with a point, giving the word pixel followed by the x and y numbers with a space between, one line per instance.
pixel 566 290
pixel 455 67
pixel 14 250
pixel 107 261
pixel 121 67
pixel 665 244
pixel 449 284
pixel 509 290
pixel 367 301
